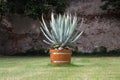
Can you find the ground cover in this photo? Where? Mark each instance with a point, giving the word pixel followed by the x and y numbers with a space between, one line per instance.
pixel 39 68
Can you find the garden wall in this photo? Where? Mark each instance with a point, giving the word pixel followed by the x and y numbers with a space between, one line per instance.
pixel 22 33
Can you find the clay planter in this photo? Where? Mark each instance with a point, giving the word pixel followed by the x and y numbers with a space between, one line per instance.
pixel 60 57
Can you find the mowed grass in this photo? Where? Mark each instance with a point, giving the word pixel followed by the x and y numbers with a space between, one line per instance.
pixel 39 68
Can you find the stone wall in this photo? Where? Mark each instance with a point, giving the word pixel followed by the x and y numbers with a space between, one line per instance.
pixel 85 7
pixel 99 31
pixel 99 28
pixel 22 33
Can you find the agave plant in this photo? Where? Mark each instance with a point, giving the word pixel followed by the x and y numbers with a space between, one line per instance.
pixel 61 33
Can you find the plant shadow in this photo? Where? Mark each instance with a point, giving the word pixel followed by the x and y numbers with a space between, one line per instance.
pixel 69 65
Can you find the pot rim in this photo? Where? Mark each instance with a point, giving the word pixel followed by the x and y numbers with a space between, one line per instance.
pixel 63 50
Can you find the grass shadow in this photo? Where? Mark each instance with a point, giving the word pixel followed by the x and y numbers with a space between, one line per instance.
pixel 69 65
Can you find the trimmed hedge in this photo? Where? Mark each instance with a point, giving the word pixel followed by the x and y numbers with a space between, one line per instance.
pixel 32 8
pixel 43 52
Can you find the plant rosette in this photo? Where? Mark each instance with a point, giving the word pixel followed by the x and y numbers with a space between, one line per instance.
pixel 61 36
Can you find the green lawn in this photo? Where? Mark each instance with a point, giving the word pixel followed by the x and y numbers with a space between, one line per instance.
pixel 39 68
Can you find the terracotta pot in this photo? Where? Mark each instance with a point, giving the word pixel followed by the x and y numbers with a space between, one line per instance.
pixel 60 57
